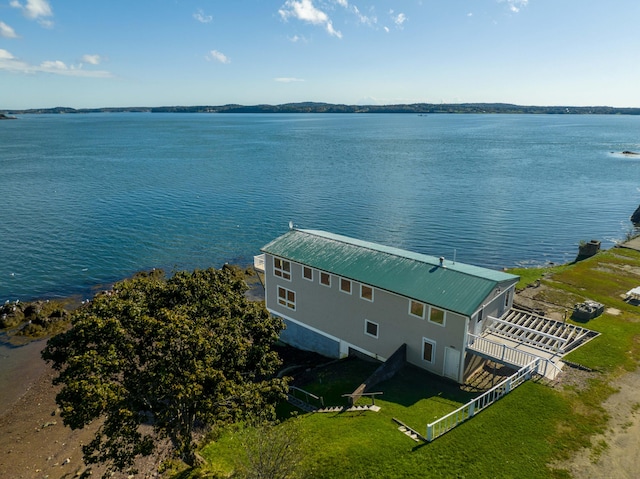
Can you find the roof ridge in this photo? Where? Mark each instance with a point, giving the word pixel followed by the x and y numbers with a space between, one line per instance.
pixel 399 252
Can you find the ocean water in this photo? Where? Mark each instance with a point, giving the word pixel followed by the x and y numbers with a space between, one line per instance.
pixel 89 199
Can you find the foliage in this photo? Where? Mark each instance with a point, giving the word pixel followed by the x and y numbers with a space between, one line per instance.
pixel 175 355
pixel 271 451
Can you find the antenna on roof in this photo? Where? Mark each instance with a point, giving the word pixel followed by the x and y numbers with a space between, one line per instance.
pixel 290 225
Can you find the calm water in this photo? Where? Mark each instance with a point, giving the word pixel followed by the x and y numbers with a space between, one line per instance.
pixel 89 199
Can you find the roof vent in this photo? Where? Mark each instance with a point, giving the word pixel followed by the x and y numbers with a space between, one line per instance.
pixel 442 262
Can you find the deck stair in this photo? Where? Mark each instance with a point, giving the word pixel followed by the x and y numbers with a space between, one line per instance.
pixel 539 332
pixel 341 409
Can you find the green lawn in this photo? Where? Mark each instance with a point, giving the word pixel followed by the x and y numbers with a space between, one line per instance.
pixel 515 438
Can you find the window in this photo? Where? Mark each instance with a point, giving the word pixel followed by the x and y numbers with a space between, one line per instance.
pixel 307 273
pixel 325 278
pixel 370 328
pixel 282 268
pixel 366 292
pixel 286 298
pixel 428 350
pixel 436 316
pixel 506 299
pixel 416 308
pixel 345 285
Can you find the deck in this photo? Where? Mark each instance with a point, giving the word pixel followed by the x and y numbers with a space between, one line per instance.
pixel 518 337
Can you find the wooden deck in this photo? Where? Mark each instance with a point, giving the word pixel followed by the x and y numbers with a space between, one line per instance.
pixel 519 337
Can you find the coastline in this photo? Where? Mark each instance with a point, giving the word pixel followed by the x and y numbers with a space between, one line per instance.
pixel 20 368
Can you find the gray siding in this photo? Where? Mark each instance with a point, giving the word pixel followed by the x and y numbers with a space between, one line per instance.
pixel 343 316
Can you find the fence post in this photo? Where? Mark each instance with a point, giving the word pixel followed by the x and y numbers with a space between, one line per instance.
pixel 472 408
pixel 429 432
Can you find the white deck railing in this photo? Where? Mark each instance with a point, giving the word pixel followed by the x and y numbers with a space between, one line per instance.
pixel 258 262
pixel 528 335
pixel 500 352
pixel 504 354
pixel 473 407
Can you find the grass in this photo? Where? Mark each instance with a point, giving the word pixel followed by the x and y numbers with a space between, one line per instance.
pixel 518 437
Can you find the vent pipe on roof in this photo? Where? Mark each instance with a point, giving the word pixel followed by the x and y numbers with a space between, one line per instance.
pixel 442 262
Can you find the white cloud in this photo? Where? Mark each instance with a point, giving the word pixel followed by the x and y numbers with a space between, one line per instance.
pixel 343 3
pixel 6 31
pixel 218 56
pixel 10 63
pixel 297 38
pixel 38 10
pixel 386 29
pixel 5 55
pixel 288 79
pixel 91 59
pixel 515 5
pixel 399 19
pixel 305 11
pixel 368 20
pixel 201 17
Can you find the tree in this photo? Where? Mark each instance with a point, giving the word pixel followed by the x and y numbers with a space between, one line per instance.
pixel 176 355
pixel 272 451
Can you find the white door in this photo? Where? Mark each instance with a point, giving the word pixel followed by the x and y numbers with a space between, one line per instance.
pixel 451 363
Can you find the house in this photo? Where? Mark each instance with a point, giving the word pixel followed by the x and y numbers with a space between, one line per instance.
pixel 338 294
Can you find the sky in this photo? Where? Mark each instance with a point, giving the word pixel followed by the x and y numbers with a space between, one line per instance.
pixel 117 53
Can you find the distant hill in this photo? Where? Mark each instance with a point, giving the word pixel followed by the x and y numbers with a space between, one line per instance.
pixel 311 107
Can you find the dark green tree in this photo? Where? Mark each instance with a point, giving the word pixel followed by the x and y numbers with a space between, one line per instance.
pixel 161 358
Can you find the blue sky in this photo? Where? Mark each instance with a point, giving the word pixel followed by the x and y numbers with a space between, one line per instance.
pixel 95 53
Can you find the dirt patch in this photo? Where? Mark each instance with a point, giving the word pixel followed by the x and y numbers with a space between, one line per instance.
pixel 614 453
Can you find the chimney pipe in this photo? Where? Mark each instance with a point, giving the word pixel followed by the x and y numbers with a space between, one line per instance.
pixel 442 261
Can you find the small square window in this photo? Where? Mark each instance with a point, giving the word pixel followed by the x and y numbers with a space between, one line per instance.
pixel 282 268
pixel 307 273
pixel 436 316
pixel 371 328
pixel 287 298
pixel 345 285
pixel 366 292
pixel 416 308
pixel 428 350
pixel 325 278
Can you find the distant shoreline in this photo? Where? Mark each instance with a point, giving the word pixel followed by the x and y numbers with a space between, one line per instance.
pixel 315 107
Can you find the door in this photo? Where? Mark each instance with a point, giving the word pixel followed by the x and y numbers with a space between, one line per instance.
pixel 451 363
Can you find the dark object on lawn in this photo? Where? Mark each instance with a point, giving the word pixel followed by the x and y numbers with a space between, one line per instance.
pixel 586 250
pixel 587 310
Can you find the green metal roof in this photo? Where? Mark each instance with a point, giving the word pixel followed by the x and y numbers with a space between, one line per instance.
pixel 457 287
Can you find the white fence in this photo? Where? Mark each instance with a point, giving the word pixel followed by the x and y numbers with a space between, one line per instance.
pixel 473 407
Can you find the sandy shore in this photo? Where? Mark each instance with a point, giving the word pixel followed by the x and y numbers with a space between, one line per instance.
pixel 33 441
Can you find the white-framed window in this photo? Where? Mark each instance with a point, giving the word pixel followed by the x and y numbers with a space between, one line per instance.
pixel 345 285
pixel 371 328
pixel 506 298
pixel 307 273
pixel 282 268
pixel 366 292
pixel 417 309
pixel 437 316
pixel 287 298
pixel 325 278
pixel 428 350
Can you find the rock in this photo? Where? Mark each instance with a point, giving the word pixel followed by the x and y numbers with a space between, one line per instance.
pixel 635 217
pixel 630 153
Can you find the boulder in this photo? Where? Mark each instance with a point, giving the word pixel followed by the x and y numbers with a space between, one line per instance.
pixel 635 217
